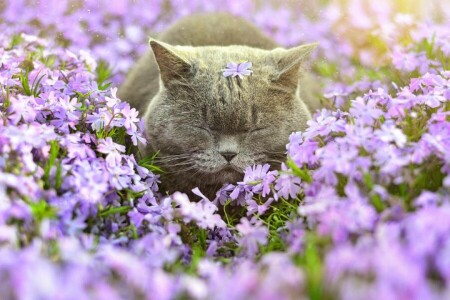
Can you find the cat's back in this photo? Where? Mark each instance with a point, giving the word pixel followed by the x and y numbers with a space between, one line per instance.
pixel 212 29
pixel 216 29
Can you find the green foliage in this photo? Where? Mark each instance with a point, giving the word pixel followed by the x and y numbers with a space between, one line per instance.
pixel 32 90
pixel 302 173
pixel 114 210
pixel 149 163
pixel 104 73
pixel 51 162
pixel 42 210
pixel 16 40
pixel 311 262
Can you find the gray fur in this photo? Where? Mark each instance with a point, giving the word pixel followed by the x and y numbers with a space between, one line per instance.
pixel 195 117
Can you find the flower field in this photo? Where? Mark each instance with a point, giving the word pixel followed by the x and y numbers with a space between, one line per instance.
pixel 359 210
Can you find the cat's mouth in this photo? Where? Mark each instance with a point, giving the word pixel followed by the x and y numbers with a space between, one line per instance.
pixel 230 174
pixel 232 168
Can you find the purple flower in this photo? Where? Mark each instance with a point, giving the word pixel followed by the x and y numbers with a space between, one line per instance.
pixel 366 111
pixel 223 194
pixel 323 124
pixel 258 179
pixel 99 119
pixel 202 213
pixel 287 185
pixel 302 151
pixel 238 69
pixel 254 208
pixel 251 234
pixel 113 150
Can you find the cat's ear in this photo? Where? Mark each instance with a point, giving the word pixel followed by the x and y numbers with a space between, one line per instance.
pixel 173 66
pixel 289 63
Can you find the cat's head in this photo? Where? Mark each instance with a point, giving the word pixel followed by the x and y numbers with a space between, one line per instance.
pixel 211 126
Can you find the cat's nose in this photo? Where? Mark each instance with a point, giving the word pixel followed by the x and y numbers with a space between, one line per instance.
pixel 228 155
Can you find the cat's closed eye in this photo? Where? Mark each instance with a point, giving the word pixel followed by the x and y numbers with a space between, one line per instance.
pixel 200 128
pixel 257 129
pixel 259 132
pixel 211 131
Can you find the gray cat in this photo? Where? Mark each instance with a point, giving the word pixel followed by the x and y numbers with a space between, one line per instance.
pixel 208 127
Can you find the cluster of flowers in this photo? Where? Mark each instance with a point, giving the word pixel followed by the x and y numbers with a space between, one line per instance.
pixel 76 206
pixel 360 209
pixel 375 182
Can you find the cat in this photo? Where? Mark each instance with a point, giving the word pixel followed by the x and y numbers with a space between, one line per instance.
pixel 207 128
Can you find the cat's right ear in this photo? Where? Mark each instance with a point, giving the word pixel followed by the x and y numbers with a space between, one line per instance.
pixel 289 62
pixel 172 65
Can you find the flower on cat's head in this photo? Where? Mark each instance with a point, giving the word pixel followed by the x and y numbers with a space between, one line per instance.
pixel 238 69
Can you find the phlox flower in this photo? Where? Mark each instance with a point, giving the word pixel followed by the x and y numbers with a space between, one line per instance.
pixel 302 151
pixel 258 179
pixel 99 119
pixel 391 133
pixel 66 192
pixel 137 136
pixel 405 61
pixel 223 194
pixel 202 212
pixel 323 124
pixel 365 111
pixel 254 208
pixel 432 99
pixel 22 108
pixel 287 185
pixel 339 95
pixel 130 116
pixel 112 151
pixel 251 234
pixel 238 69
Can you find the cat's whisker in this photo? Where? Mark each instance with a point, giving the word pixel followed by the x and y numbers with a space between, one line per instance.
pixel 275 152
pixel 281 159
pixel 170 160
pixel 182 170
pixel 172 157
pixel 178 165
pixel 272 161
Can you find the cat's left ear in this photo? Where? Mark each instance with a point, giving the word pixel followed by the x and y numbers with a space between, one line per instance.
pixel 171 61
pixel 289 62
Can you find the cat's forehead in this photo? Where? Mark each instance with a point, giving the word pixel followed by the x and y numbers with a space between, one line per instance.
pixel 219 57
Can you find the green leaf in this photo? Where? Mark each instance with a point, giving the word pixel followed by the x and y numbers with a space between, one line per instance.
pixel 302 173
pixel 42 210
pixel 104 73
pixel 312 264
pixel 148 163
pixel 24 80
pixel 114 210
pixel 377 202
pixel 58 177
pixel 197 254
pixel 35 86
pixel 54 151
pixel 16 40
pixel 368 180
